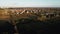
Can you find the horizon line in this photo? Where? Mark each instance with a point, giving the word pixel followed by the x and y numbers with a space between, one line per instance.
pixel 29 7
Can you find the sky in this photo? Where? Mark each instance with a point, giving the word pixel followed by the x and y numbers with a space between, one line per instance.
pixel 29 3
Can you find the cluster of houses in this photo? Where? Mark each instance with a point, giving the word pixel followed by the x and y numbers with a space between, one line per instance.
pixel 38 11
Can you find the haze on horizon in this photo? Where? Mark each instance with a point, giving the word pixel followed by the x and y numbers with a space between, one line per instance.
pixel 29 3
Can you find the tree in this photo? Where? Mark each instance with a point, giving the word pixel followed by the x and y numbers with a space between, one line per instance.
pixel 12 19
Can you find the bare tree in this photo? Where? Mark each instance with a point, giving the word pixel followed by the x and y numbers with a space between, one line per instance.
pixel 12 20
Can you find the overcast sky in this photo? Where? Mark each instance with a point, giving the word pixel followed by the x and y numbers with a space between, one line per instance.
pixel 29 3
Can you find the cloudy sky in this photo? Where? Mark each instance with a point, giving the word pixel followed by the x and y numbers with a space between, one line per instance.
pixel 29 3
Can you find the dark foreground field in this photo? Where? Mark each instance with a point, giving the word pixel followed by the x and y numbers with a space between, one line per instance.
pixel 29 26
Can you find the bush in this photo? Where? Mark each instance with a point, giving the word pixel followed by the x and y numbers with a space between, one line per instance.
pixel 5 26
pixel 37 27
